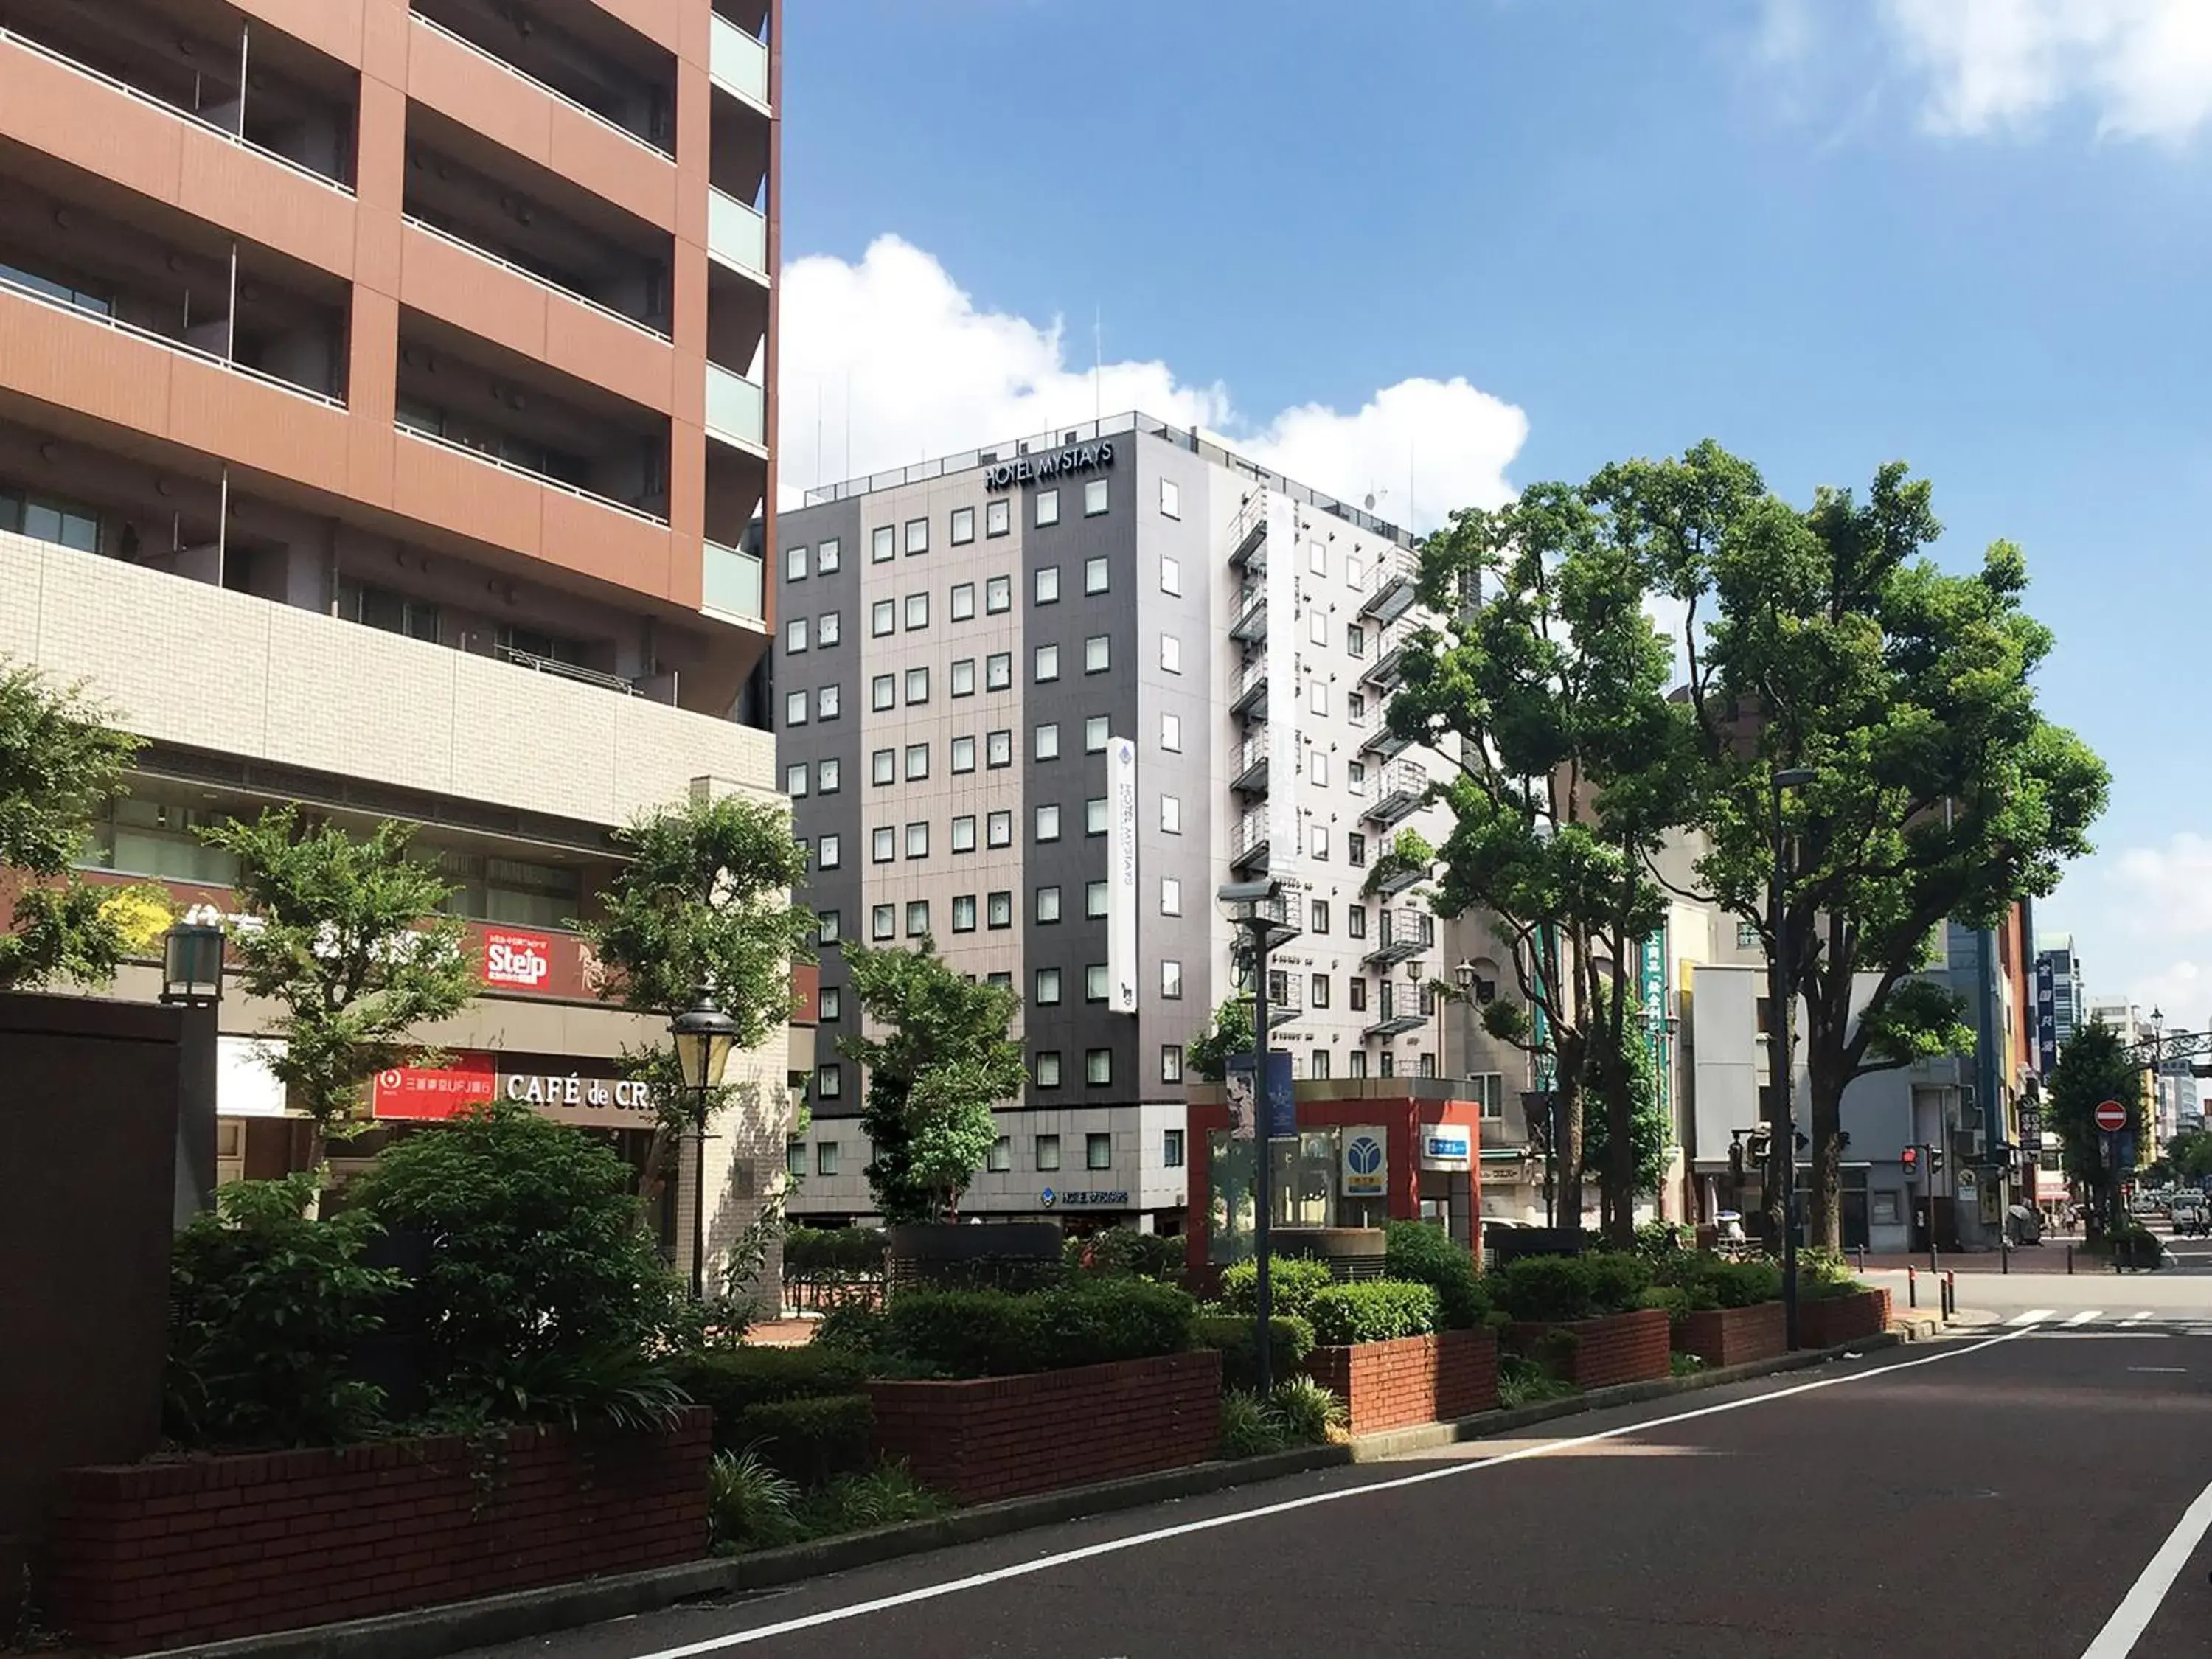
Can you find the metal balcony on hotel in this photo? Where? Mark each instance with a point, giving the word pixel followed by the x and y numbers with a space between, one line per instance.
pixel 1248 695
pixel 1392 592
pixel 1248 844
pixel 1400 788
pixel 1383 669
pixel 1286 998
pixel 1250 627
pixel 1248 536
pixel 1402 934
pixel 1251 777
pixel 1394 1022
pixel 1376 736
pixel 1399 878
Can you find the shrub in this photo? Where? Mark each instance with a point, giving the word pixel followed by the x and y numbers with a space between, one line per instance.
pixel 1248 1429
pixel 1003 1333
pixel 1420 1253
pixel 266 1311
pixel 1712 1281
pixel 1671 1299
pixel 812 1440
pixel 1557 1289
pixel 750 1505
pixel 834 1252
pixel 881 1497
pixel 1823 1275
pixel 1373 1311
pixel 1522 1381
pixel 1307 1411
pixel 1292 1283
pixel 1299 1413
pixel 853 1328
pixel 1124 1251
pixel 1656 1241
pixel 735 1380
pixel 1235 1336
pixel 2137 1247
pixel 1685 1364
pixel 1617 1278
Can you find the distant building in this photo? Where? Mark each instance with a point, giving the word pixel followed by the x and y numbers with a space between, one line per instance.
pixel 2060 1000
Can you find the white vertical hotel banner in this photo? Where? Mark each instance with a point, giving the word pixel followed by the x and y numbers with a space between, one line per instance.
pixel 1285 695
pixel 1121 966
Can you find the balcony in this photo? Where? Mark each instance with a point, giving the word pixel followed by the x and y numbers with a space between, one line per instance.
pixel 1393 878
pixel 1248 536
pixel 1402 934
pixel 1395 1019
pixel 1250 627
pixel 732 585
pixel 737 234
pixel 1392 592
pixel 1400 786
pixel 1252 757
pixel 1249 691
pixel 1383 669
pixel 591 63
pixel 1248 843
pixel 1376 736
pixel 1286 994
pixel 737 411
pixel 738 62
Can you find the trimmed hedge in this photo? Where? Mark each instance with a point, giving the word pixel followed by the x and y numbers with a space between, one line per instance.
pixel 1421 1253
pixel 1290 1340
pixel 1371 1310
pixel 1123 1251
pixel 856 1252
pixel 812 1441
pixel 734 1380
pixel 1292 1283
pixel 1560 1289
pixel 977 1333
pixel 1709 1281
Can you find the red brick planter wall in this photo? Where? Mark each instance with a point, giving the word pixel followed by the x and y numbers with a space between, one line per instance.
pixel 1831 1322
pixel 1734 1336
pixel 1626 1347
pixel 158 1555
pixel 1005 1437
pixel 1414 1379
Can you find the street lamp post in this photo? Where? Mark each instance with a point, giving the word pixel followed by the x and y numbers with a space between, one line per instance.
pixel 192 979
pixel 704 1035
pixel 1782 988
pixel 1258 897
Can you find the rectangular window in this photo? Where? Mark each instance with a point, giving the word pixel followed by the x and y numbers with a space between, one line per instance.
pixel 1317 695
pixel 964 833
pixel 1095 735
pixel 1317 557
pixel 883 766
pixel 1171 575
pixel 825 1158
pixel 794 780
pixel 794 564
pixel 963 526
pixel 963 755
pixel 1319 1070
pixel 1355 848
pixel 883 922
pixel 998 517
pixel 1747 935
pixel 794 635
pixel 1048 1146
pixel 825 558
pixel 998 595
pixel 963 676
pixel 1355 777
pixel 1047 823
pixel 826 931
pixel 999 670
pixel 1171 980
pixel 827 626
pixel 882 844
pixel 964 602
pixel 830 1004
pixel 1170 896
pixel 963 913
pixel 1094 497
pixel 1321 841
pixel 1317 625
pixel 1320 916
pixel 795 1158
pixel 1000 1158
pixel 1355 1063
pixel 1048 663
pixel 883 693
pixel 1094 982
pixel 917 761
pixel 917 840
pixel 828 777
pixel 1317 768
pixel 1424 1064
pixel 1355 994
pixel 1094 899
pixel 997 749
pixel 1490 1093
pixel 1097 1067
pixel 829 852
pixel 917 918
pixel 1046 584
pixel 1048 986
pixel 1044 743
pixel 1094 816
pixel 1320 991
pixel 1048 507
pixel 917 685
pixel 999 829
pixel 1095 576
pixel 883 544
pixel 795 709
pixel 1171 654
pixel 917 611
pixel 1098 653
pixel 882 618
pixel 999 909
pixel 1098 1151
pixel 1355 571
pixel 828 702
pixel 1048 1077
pixel 1355 640
pixel 1046 906
pixel 1170 504
pixel 917 535
pixel 1172 1072
pixel 1171 815
pixel 1355 920
pixel 1171 733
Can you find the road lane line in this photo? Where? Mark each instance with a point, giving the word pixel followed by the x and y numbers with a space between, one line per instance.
pixel 2136 1318
pixel 2032 1317
pixel 2083 1317
pixel 1114 1545
pixel 2139 1606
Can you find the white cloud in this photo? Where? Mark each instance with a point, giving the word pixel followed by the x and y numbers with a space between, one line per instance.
pixel 2166 891
pixel 888 361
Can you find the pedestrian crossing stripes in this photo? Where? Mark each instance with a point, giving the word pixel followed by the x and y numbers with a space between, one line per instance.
pixel 2096 1322
pixel 2033 1316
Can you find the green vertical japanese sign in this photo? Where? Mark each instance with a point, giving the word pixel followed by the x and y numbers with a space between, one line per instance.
pixel 1653 992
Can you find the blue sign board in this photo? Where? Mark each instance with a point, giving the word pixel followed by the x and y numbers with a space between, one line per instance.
pixel 1282 1098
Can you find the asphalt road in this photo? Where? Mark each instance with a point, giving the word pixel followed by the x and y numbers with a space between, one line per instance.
pixel 1898 1506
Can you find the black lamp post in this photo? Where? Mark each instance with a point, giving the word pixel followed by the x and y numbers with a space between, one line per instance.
pixel 1782 988
pixel 192 965
pixel 1258 897
pixel 704 1035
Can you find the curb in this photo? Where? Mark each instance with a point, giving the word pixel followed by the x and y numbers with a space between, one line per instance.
pixel 431 1633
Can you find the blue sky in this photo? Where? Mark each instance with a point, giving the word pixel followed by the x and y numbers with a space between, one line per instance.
pixel 1456 246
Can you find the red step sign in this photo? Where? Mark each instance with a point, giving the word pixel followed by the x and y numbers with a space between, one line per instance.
pixel 2111 1116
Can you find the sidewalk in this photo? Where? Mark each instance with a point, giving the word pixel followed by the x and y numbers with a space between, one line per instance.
pixel 2046 1258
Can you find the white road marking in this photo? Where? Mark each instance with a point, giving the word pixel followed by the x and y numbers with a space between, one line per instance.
pixel 2139 1606
pixel 2032 1317
pixel 1114 1545
pixel 2083 1317
pixel 2162 1371
pixel 2136 1318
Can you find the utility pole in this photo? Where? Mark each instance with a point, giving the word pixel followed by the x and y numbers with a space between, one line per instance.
pixel 1781 989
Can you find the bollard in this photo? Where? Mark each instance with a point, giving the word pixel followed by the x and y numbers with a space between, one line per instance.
pixel 1911 1287
pixel 1950 1297
pixel 2070 1256
pixel 1861 1248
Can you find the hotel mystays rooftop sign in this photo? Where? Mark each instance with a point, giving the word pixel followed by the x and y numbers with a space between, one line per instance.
pixel 1031 469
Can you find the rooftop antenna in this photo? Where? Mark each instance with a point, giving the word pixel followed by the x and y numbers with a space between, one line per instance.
pixel 821 460
pixel 1097 363
pixel 848 419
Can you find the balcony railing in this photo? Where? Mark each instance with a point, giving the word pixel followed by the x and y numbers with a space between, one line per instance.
pixel 166 108
pixel 1248 842
pixel 737 234
pixel 1374 733
pixel 1391 593
pixel 732 584
pixel 550 482
pixel 1251 776
pixel 216 360
pixel 1248 695
pixel 1286 998
pixel 1388 661
pixel 737 61
pixel 1250 627
pixel 550 90
pixel 1400 787
pixel 737 408
pixel 1402 934
pixel 566 670
pixel 1248 535
pixel 530 275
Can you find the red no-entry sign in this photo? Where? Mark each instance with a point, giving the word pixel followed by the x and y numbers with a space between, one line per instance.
pixel 2111 1116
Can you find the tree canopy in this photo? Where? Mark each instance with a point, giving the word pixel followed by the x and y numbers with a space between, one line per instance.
pixel 1228 1033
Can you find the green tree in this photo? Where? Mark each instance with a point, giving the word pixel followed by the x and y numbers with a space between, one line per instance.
pixel 1407 854
pixel 60 764
pixel 933 1075
pixel 2093 1067
pixel 1651 1128
pixel 2188 1156
pixel 1821 639
pixel 1551 697
pixel 1228 1033
pixel 343 937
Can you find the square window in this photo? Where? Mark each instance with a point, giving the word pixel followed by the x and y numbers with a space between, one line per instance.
pixel 825 1154
pixel 1094 816
pixel 1170 499
pixel 1171 980
pixel 1046 906
pixel 999 909
pixel 883 693
pixel 1044 743
pixel 883 766
pixel 1355 848
pixel 1319 920
pixel 882 618
pixel 1170 815
pixel 1171 733
pixel 1048 663
pixel 999 749
pixel 795 1158
pixel 794 780
pixel 1094 899
pixel 1098 654
pixel 917 840
pixel 963 754
pixel 917 610
pixel 795 709
pixel 963 676
pixel 1048 986
pixel 794 635
pixel 998 517
pixel 1171 654
pixel 1094 982
pixel 1321 990
pixel 964 833
pixel 917 918
pixel 1045 584
pixel 827 777
pixel 1747 935
pixel 882 844
pixel 1098 1151
pixel 963 526
pixel 1321 841
pixel 828 701
pixel 1171 1140
pixel 1095 735
pixel 999 670
pixel 883 922
pixel 917 685
pixel 1048 1146
pixel 964 602
pixel 825 931
pixel 1094 575
pixel 1047 823
pixel 1000 1158
pixel 825 558
pixel 1094 497
pixel 827 628
pixel 883 544
pixel 830 1003
pixel 998 594
pixel 1171 575
pixel 1317 695
pixel 794 564
pixel 1097 1067
pixel 1170 896
pixel 1048 507
pixel 829 852
pixel 917 761
pixel 999 829
pixel 917 535
pixel 964 914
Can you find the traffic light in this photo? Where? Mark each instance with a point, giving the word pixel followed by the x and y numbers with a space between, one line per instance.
pixel 1911 1156
pixel 1934 1160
